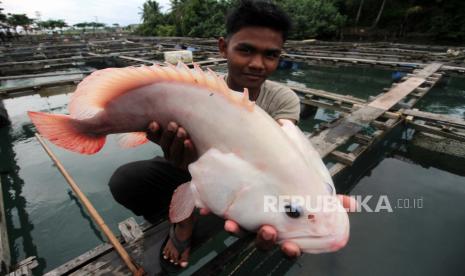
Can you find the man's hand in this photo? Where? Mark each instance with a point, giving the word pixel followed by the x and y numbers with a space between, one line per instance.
pixel 175 143
pixel 267 234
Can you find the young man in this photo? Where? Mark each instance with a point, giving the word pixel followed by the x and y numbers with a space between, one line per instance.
pixel 256 32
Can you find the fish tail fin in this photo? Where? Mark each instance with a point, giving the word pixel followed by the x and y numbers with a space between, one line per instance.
pixel 62 131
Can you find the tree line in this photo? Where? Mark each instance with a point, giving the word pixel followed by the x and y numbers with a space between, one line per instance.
pixel 12 21
pixel 440 20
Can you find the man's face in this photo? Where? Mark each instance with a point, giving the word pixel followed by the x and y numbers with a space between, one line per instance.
pixel 253 54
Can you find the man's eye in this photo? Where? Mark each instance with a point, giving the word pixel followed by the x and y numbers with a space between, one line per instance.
pixel 245 50
pixel 272 55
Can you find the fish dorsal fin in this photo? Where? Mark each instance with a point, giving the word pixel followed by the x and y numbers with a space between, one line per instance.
pixel 309 153
pixel 102 86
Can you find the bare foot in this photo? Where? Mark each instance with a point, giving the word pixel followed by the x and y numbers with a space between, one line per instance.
pixel 183 231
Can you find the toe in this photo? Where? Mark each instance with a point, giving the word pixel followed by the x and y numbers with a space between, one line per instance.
pixel 183 262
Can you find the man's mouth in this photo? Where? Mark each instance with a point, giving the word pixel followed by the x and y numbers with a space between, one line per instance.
pixel 254 77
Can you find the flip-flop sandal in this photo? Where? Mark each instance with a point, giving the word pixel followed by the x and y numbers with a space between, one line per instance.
pixel 180 246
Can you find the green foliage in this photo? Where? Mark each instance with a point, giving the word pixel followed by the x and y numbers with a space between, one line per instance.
pixel 2 15
pixel 199 18
pixel 313 18
pixel 85 25
pixel 152 18
pixel 448 23
pixel 205 18
pixel 52 24
pixel 19 20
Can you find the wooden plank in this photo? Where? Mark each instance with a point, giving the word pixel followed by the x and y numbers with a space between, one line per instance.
pixel 331 138
pixel 45 75
pixel 328 95
pixel 145 61
pixel 80 260
pixel 24 268
pixel 325 105
pixel 57 60
pixel 9 92
pixel 397 93
pixel 449 119
pixel 211 61
pixel 130 230
pixel 344 158
pixel 336 169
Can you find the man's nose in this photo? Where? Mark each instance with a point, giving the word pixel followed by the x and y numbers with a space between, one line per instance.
pixel 256 63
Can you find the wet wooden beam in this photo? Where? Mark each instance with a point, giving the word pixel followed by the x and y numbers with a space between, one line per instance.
pixel 448 119
pixel 29 76
pixel 452 133
pixel 25 267
pixel 32 89
pixel 5 257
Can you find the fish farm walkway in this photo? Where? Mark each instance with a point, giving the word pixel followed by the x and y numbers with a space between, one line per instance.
pixel 214 251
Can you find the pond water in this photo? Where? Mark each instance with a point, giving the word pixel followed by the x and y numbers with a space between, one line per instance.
pixel 423 235
pixel 360 82
pixel 45 220
pixel 447 97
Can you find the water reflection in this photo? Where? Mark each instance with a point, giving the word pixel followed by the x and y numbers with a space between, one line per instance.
pixel 84 214
pixel 19 230
pixel 447 97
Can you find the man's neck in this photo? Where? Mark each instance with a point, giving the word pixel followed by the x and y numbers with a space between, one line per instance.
pixel 253 93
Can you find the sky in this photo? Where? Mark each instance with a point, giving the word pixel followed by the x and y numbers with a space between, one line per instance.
pixel 123 12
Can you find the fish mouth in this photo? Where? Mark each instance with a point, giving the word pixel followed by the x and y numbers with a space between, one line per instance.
pixel 319 244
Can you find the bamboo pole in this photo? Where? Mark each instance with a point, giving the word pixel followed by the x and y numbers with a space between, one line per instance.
pixel 135 269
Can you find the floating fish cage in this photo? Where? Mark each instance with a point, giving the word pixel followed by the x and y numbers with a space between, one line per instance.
pixel 387 119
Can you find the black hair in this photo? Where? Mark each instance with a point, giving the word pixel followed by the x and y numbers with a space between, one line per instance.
pixel 257 13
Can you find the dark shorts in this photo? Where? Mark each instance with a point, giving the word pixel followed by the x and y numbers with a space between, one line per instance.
pixel 145 187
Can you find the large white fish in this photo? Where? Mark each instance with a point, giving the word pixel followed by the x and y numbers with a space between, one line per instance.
pixel 247 160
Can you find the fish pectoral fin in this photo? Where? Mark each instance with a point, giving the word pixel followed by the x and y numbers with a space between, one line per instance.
pixel 182 203
pixel 132 139
pixel 218 177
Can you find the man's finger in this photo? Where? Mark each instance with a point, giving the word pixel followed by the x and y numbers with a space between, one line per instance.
pixel 177 147
pixel 291 249
pixel 349 203
pixel 233 228
pixel 204 211
pixel 266 237
pixel 167 138
pixel 154 132
pixel 190 154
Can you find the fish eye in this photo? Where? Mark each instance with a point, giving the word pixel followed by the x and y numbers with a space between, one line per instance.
pixel 293 211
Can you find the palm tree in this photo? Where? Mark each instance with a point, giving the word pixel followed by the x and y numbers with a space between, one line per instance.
pixel 380 12
pixel 359 12
pixel 22 20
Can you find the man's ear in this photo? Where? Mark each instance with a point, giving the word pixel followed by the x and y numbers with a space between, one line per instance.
pixel 222 46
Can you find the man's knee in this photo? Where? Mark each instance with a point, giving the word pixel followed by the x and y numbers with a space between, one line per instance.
pixel 121 181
